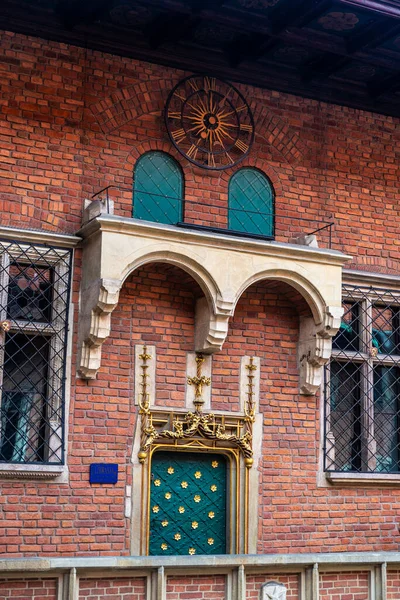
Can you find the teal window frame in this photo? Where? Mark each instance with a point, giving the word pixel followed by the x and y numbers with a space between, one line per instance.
pixel 251 203
pixel 158 188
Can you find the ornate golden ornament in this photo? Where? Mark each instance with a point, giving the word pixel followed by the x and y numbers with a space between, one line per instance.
pixel 171 470
pixel 177 536
pixel 168 495
pixel 195 525
pixel 373 352
pixel 155 509
pixel 214 464
pixel 197 498
pixel 199 381
pixel 192 551
pixel 181 509
pixel 198 474
pixel 175 428
pixel 164 523
pixel 5 325
pixel 213 488
pixel 164 546
pixel 184 484
pixel 157 483
pixel 210 541
pixel 211 514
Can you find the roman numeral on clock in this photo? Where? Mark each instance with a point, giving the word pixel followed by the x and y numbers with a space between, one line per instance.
pixel 241 146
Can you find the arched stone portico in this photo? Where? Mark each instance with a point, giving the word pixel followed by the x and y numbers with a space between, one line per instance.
pixel 224 267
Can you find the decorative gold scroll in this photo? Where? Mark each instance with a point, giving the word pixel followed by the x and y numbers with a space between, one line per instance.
pixel 175 427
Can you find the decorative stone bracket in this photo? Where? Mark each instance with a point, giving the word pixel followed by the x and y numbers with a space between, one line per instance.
pixel 315 346
pixel 97 306
pixel 224 267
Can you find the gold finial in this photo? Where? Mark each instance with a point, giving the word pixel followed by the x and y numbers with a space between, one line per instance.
pixel 199 381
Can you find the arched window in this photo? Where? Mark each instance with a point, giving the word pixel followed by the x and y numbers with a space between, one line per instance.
pixel 157 189
pixel 251 203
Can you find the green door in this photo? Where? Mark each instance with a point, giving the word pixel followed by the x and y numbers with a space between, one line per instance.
pixel 188 503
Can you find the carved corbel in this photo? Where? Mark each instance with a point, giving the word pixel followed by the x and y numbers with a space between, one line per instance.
pixel 211 326
pixel 315 347
pixel 95 324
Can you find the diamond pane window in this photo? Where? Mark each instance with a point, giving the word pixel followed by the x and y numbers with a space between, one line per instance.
pixel 158 189
pixel 188 499
pixel 251 203
pixel 34 292
pixel 362 385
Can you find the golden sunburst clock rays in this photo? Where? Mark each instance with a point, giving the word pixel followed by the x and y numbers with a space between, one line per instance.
pixel 209 122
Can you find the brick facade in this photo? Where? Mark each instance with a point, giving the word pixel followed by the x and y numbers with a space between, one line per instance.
pixel 346 586
pixel 196 588
pixel 113 589
pixel 28 589
pixel 74 121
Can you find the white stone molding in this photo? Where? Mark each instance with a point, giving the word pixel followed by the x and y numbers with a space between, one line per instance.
pixel 273 591
pixel 224 267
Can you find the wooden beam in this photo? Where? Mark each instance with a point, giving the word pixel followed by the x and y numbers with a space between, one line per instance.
pixel 373 36
pixel 383 7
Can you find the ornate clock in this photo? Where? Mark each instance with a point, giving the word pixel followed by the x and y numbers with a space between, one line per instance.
pixel 209 122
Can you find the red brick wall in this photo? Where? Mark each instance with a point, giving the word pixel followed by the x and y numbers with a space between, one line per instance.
pixel 393 585
pixel 129 588
pixel 254 583
pixel 344 586
pixel 196 588
pixel 67 130
pixel 28 589
pixel 73 122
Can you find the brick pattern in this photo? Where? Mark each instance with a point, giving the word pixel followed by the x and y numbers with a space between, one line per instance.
pixel 71 122
pixel 254 583
pixel 28 589
pixel 196 588
pixel 121 588
pixel 393 585
pixel 344 586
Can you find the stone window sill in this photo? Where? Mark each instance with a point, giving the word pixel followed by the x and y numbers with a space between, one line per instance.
pixel 15 471
pixel 361 479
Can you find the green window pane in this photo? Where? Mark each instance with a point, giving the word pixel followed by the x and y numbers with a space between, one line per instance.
pixel 251 203
pixel 188 504
pixel 158 189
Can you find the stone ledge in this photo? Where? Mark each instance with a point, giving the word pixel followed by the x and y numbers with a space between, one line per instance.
pixel 203 563
pixel 33 236
pixel 361 479
pixel 15 471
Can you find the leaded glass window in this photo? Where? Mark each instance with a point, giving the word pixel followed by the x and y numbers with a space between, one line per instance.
pixel 34 295
pixel 188 503
pixel 362 385
pixel 158 189
pixel 251 203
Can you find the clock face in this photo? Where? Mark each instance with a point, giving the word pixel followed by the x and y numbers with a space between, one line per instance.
pixel 209 122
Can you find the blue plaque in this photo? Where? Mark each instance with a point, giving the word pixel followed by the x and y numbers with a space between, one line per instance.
pixel 103 473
